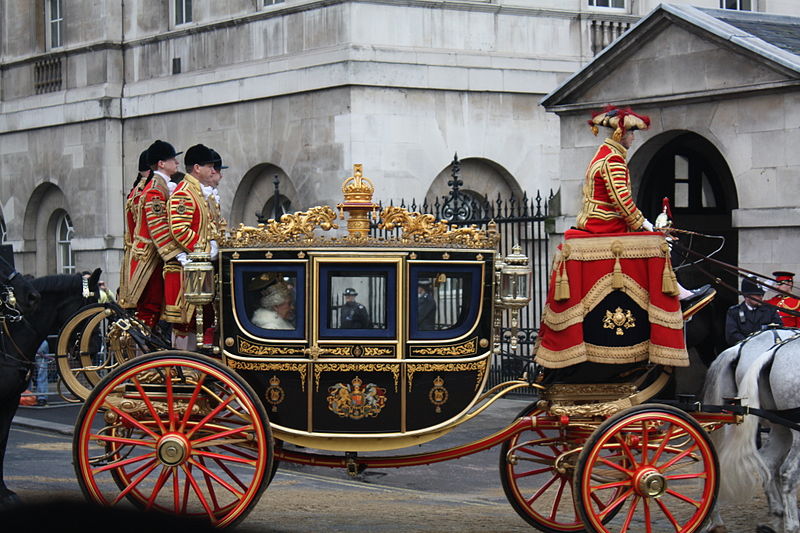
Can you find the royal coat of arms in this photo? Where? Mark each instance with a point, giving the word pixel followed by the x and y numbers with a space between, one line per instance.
pixel 355 400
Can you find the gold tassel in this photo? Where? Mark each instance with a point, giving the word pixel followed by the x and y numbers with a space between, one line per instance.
pixel 617 281
pixel 669 281
pixel 562 284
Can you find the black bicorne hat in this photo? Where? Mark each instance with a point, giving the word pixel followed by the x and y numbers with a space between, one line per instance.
pixel 160 151
pixel 750 287
pixel 199 154
pixel 144 164
pixel 218 165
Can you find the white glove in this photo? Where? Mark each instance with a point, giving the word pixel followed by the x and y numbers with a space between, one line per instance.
pixel 214 249
pixel 183 259
pixel 647 226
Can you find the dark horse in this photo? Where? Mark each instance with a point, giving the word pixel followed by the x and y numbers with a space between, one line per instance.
pixel 62 296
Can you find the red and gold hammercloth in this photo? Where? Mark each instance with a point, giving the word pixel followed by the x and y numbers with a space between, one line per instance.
pixel 612 298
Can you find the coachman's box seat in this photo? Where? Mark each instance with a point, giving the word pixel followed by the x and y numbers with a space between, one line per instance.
pixel 612 300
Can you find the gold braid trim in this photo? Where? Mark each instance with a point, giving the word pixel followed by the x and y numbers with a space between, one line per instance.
pixel 633 247
pixel 584 352
pixel 602 288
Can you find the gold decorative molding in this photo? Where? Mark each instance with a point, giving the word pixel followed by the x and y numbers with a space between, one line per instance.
pixel 469 347
pixel 301 368
pixel 291 229
pixel 480 366
pixel 252 348
pixel 319 368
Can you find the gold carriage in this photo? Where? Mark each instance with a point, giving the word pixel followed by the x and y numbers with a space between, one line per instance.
pixel 327 352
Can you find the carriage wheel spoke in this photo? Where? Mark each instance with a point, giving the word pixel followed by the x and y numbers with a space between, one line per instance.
pixel 557 499
pixel 124 440
pixel 146 399
pixel 540 455
pixel 163 477
pixel 238 451
pixel 192 401
pixel 647 521
pixel 209 487
pixel 210 416
pixel 216 478
pixel 663 445
pixel 669 516
pixel 230 473
pixel 124 462
pixel 135 482
pixel 222 434
pixel 541 491
pixel 684 498
pixel 190 480
pixel 602 513
pixel 128 418
pixel 631 512
pixel 625 448
pixel 677 458
pixel 615 466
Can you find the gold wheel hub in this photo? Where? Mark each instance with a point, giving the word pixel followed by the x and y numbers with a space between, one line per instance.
pixel 172 450
pixel 650 483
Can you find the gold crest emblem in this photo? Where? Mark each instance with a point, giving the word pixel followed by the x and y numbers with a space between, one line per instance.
pixel 158 207
pixel 356 401
pixel 181 209
pixel 274 393
pixel 619 320
pixel 438 394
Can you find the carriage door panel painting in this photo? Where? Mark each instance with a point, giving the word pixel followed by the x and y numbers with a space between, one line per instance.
pixel 356 376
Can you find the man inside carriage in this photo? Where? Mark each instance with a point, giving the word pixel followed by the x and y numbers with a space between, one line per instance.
pixel 613 302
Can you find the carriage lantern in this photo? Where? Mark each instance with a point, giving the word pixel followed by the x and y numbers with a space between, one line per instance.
pixel 198 288
pixel 515 287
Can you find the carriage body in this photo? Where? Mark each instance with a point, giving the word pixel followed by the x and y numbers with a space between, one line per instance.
pixel 332 383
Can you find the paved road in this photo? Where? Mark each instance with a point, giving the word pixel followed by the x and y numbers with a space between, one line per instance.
pixel 462 496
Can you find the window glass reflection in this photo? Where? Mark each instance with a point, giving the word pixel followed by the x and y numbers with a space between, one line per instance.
pixel 441 300
pixel 357 300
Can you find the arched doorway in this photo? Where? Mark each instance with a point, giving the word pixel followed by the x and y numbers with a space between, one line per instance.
pixel 255 196
pixel 44 222
pixel 689 170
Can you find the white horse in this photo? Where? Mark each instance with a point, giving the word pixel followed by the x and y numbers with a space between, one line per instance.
pixel 763 371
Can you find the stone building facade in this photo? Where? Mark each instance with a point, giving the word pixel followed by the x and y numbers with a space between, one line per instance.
pixel 299 89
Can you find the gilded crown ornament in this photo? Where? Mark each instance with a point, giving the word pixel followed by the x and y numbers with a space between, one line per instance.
pixel 358 205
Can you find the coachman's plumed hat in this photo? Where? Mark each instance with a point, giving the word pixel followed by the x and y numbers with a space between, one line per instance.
pixel 619 120
pixel 200 154
pixel 750 287
pixel 160 151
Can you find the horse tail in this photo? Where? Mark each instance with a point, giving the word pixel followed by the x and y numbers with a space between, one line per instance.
pixel 721 377
pixel 738 456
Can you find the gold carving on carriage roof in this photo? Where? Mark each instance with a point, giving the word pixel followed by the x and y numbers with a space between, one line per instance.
pixel 305 227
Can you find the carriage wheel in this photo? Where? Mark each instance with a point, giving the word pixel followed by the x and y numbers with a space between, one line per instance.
pixel 90 346
pixel 536 489
pixel 196 444
pixel 663 462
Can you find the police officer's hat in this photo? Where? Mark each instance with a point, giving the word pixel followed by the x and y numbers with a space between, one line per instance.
pixel 200 154
pixel 144 164
pixel 350 292
pixel 782 275
pixel 160 151
pixel 218 165
pixel 750 287
pixel 425 283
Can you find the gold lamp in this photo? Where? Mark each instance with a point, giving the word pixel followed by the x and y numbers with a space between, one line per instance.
pixel 515 287
pixel 198 287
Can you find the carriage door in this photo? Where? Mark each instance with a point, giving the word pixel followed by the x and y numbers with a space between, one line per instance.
pixel 356 346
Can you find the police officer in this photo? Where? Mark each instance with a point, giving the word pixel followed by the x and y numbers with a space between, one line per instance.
pixel 786 283
pixel 749 316
pixel 353 314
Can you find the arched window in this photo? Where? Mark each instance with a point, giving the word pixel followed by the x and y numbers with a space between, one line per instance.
pixel 3 231
pixel 65 257
pixel 284 205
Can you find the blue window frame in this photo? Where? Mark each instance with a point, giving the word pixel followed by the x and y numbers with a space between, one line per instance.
pixel 444 302
pixel 261 293
pixel 358 301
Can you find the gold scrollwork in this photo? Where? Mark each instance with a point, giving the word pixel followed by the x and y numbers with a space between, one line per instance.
pixel 301 368
pixel 480 366
pixel 425 228
pixel 469 347
pixel 252 348
pixel 319 368
pixel 292 227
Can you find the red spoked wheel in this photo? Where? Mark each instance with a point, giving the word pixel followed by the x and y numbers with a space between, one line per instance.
pixel 663 463
pixel 538 486
pixel 175 432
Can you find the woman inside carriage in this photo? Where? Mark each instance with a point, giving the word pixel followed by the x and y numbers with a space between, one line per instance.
pixel 613 303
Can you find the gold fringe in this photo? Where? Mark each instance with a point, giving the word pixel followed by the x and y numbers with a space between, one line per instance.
pixel 584 352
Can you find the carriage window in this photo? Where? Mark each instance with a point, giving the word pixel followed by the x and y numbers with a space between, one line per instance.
pixel 357 301
pixel 444 302
pixel 269 299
